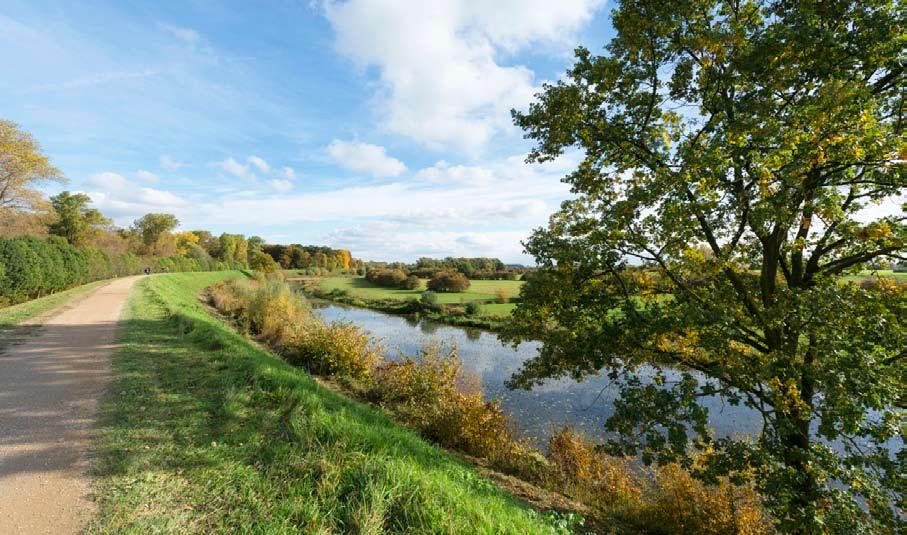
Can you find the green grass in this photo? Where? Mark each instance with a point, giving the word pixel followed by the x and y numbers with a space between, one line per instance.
pixel 479 290
pixel 867 274
pixel 16 314
pixel 497 309
pixel 203 431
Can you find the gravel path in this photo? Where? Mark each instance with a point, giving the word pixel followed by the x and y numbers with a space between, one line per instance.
pixel 50 382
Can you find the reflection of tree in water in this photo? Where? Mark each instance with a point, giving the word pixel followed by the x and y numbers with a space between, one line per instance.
pixel 429 327
pixel 412 320
pixel 473 334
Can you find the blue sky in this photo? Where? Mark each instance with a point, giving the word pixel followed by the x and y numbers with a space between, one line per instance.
pixel 382 127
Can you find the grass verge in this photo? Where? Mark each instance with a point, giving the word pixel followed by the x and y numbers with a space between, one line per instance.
pixel 203 431
pixel 16 314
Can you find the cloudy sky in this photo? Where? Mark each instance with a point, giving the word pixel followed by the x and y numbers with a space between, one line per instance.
pixel 379 126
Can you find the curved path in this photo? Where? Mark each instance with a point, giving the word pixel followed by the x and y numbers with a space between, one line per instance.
pixel 49 387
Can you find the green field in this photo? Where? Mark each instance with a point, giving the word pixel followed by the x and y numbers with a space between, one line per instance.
pixel 864 275
pixel 203 431
pixel 479 290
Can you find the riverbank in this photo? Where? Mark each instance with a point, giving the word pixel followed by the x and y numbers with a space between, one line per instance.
pixel 428 391
pixel 206 431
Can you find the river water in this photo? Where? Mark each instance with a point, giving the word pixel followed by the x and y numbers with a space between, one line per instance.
pixel 537 413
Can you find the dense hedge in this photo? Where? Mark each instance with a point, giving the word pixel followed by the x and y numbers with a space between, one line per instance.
pixel 31 267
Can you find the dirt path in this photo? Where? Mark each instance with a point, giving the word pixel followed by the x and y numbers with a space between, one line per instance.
pixel 49 387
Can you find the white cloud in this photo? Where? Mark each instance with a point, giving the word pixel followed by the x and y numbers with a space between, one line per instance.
pixel 260 163
pixel 123 200
pixel 167 162
pixel 147 176
pixel 281 186
pixel 441 76
pixel 109 181
pixel 289 173
pixel 442 173
pixel 236 169
pixel 365 157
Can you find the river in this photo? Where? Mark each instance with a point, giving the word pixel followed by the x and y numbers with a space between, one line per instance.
pixel 537 413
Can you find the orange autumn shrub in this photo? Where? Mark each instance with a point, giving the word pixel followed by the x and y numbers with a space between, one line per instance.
pixel 679 504
pixel 590 475
pixel 434 395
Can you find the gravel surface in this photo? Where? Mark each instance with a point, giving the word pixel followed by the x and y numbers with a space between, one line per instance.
pixel 50 382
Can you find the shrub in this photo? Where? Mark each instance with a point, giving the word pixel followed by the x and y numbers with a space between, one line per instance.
pixel 274 311
pixel 663 500
pixel 501 295
pixel 434 395
pixel 448 281
pixel 340 348
pixel 410 283
pixel 593 477
pixel 429 299
pixel 392 278
pixel 678 503
pixel 473 308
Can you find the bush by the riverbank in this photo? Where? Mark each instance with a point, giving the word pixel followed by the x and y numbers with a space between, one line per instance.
pixel 431 393
pixel 205 432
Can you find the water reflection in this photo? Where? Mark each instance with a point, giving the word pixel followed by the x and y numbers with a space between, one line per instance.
pixel 583 405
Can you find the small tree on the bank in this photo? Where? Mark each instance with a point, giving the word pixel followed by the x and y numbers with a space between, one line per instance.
pixel 448 281
pixel 759 130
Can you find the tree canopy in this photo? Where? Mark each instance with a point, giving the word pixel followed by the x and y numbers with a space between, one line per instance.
pixel 740 150
pixel 75 221
pixel 22 167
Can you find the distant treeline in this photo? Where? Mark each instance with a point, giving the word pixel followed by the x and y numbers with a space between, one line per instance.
pixel 472 268
pixel 297 256
pixel 466 266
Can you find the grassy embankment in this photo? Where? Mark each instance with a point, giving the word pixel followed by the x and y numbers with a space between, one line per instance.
pixel 203 431
pixel 16 314
pixel 360 292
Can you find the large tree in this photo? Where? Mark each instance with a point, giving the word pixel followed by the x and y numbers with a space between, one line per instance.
pixel 22 167
pixel 75 220
pixel 748 154
pixel 154 231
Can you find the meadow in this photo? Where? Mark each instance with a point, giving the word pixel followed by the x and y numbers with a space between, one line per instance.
pixel 483 291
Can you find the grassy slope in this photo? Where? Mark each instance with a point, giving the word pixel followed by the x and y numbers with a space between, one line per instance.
pixel 203 431
pixel 479 290
pixel 13 315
